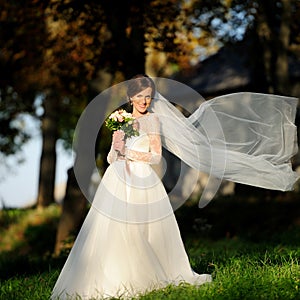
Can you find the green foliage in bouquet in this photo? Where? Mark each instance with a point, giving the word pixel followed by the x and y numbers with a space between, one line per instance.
pixel 122 120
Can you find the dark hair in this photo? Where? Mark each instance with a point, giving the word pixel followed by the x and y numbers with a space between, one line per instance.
pixel 139 83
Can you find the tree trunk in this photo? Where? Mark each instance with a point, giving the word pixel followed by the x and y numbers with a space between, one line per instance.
pixel 135 59
pixel 265 27
pixel 73 212
pixel 48 155
pixel 282 69
pixel 274 35
pixel 75 201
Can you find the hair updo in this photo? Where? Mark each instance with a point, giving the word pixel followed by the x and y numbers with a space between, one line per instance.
pixel 139 83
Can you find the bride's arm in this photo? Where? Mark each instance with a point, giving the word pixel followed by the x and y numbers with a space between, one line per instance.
pixel 117 146
pixel 151 125
pixel 112 155
pixel 152 157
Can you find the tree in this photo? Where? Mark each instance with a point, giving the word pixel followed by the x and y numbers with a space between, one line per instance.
pixel 21 51
pixel 271 25
pixel 70 61
pixel 273 29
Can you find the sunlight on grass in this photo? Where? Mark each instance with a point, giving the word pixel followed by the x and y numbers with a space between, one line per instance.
pixel 14 226
pixel 35 287
pixel 255 276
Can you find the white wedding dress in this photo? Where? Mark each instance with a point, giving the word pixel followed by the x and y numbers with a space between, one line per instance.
pixel 129 242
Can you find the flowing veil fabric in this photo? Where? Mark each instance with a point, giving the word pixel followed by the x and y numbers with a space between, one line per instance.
pixel 245 137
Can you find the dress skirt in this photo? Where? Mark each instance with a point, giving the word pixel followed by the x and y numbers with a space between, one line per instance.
pixel 129 243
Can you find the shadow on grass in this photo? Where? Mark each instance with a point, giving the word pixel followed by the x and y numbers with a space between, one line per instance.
pixel 260 217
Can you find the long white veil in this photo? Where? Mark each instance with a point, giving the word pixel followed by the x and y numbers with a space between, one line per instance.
pixel 247 138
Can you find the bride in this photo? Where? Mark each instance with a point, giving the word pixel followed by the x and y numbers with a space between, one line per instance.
pixel 119 251
pixel 130 242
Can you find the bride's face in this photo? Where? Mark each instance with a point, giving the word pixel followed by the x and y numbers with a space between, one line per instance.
pixel 142 101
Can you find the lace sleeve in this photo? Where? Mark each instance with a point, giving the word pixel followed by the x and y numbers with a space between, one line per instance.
pixel 153 156
pixel 112 155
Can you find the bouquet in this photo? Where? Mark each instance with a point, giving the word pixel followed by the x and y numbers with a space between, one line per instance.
pixel 122 120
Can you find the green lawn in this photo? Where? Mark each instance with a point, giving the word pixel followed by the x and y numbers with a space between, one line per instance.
pixel 246 263
pixel 240 270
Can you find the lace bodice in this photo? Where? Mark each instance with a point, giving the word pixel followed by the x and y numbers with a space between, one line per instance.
pixel 146 147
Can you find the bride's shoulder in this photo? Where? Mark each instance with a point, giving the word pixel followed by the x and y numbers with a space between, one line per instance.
pixel 150 122
pixel 152 118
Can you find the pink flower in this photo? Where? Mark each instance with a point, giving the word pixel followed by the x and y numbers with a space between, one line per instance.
pixel 135 125
pixel 120 118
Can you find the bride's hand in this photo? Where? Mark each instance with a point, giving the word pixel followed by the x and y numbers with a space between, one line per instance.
pixel 118 141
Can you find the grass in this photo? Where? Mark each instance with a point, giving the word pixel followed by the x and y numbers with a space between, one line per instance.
pixel 245 263
pixel 24 230
pixel 33 287
pixel 241 270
